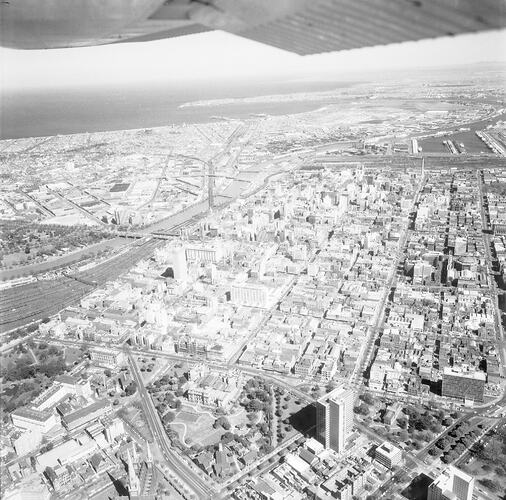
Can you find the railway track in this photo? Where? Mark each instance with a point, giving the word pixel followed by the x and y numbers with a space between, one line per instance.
pixel 34 301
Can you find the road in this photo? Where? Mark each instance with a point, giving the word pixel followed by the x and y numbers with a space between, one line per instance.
pixel 44 209
pixel 467 454
pixel 79 208
pixel 32 302
pixel 194 480
pixel 487 243
pixel 267 315
pixel 157 187
pixel 422 454
pixel 414 463
pixel 200 487
pixel 367 350
pixel 287 381
pixel 54 263
pixel 417 460
pixel 250 468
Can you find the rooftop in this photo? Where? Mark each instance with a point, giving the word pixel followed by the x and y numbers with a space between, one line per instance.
pixel 461 372
pixel 32 413
pixel 388 449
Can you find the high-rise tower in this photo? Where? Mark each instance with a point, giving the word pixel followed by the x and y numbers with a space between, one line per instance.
pixel 452 484
pixel 334 418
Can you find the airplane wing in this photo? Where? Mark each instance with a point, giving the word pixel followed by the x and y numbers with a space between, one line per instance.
pixel 300 26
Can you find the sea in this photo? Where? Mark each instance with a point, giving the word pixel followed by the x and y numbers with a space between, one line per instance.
pixel 39 113
pixel 49 112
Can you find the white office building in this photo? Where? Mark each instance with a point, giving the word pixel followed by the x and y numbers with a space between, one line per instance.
pixel 34 420
pixel 452 484
pixel 334 418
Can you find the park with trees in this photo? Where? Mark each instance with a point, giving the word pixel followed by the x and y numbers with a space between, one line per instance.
pixel 488 461
pixel 23 242
pixel 26 371
pixel 259 420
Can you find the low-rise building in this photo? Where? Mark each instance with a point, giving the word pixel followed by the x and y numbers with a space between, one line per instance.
pixel 66 453
pixel 78 417
pixel 27 442
pixel 465 385
pixel 30 488
pixel 388 455
pixel 214 389
pixel 108 358
pixel 35 420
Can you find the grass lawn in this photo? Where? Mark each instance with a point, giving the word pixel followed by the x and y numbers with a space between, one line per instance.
pixel 187 417
pixel 199 427
pixel 475 468
pixel 211 437
pixel 238 418
pixel 73 354
pixel 134 415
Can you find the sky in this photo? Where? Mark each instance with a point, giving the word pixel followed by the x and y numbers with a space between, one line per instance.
pixel 215 56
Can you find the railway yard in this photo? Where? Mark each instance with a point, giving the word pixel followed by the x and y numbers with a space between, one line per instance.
pixel 261 267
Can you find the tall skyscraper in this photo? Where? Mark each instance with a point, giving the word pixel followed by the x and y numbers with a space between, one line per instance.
pixel 334 418
pixel 175 258
pixel 452 484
